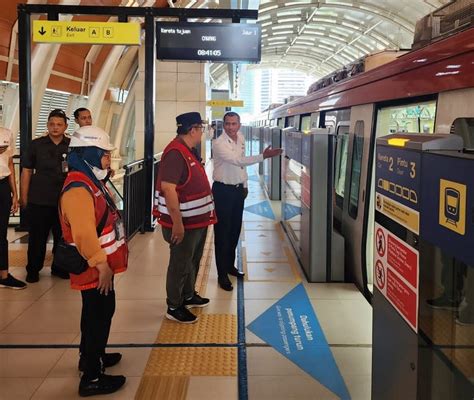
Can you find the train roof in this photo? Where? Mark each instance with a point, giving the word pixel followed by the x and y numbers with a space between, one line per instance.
pixel 443 65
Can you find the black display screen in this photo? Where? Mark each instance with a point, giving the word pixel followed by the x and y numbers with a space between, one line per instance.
pixel 208 42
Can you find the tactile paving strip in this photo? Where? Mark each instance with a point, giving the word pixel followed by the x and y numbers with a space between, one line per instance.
pixel 192 361
pixel 19 258
pixel 210 328
pixel 163 387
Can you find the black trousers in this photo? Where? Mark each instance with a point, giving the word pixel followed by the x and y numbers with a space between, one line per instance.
pixel 41 219
pixel 229 203
pixel 96 318
pixel 5 207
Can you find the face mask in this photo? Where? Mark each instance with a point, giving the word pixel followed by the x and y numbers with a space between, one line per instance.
pixel 100 174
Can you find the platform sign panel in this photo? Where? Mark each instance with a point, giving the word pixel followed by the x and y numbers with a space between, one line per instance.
pixel 291 327
pixel 194 41
pixel 448 218
pixel 398 185
pixel 225 103
pixel 396 272
pixel 124 33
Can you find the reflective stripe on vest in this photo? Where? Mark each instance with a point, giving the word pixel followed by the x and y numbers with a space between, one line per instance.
pixel 188 205
pixel 108 243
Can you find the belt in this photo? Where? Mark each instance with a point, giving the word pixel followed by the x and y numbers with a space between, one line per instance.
pixel 237 186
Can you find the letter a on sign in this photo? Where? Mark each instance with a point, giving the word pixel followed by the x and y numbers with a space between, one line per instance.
pixel 290 326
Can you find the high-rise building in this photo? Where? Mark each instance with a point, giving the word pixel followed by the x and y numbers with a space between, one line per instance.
pixel 261 87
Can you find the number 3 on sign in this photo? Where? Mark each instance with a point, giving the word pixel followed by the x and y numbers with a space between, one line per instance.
pixel 412 169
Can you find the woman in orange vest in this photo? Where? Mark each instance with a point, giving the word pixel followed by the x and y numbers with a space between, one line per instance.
pixel 91 222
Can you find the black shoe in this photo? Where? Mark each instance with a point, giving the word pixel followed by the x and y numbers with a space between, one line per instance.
pixel 108 360
pixel 465 316
pixel 32 277
pixel 12 283
pixel 181 315
pixel 196 301
pixel 226 285
pixel 235 272
pixel 59 273
pixel 104 384
pixel 444 302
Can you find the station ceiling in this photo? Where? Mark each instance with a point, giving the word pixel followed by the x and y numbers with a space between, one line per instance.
pixel 318 37
pixel 314 37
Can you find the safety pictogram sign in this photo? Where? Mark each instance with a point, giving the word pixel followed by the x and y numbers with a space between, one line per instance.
pixel 380 242
pixel 380 275
pixel 396 273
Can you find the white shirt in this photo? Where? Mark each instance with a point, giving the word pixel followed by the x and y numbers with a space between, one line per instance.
pixel 4 157
pixel 230 160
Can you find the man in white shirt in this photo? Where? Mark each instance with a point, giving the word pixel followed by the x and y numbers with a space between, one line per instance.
pixel 229 191
pixel 8 205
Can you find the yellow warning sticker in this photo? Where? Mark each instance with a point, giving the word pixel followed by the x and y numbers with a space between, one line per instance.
pixel 126 33
pixel 400 213
pixel 452 206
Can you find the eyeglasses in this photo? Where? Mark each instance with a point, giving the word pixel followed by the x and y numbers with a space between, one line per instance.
pixel 199 127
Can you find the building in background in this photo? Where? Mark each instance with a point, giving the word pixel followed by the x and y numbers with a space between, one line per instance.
pixel 260 88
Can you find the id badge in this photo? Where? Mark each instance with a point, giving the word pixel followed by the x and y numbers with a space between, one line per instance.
pixel 119 230
pixel 64 165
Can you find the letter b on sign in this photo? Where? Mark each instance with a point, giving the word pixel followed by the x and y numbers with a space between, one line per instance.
pixel 108 32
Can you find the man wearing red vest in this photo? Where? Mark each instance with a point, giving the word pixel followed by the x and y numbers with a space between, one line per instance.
pixel 185 208
pixel 91 222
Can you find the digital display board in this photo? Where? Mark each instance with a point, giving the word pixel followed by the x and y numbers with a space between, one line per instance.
pixel 208 42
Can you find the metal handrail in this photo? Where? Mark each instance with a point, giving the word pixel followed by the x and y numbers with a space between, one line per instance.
pixel 134 188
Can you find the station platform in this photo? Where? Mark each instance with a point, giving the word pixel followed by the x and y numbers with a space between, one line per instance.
pixel 230 353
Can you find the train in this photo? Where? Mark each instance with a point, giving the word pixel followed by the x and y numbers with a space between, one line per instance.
pixel 427 90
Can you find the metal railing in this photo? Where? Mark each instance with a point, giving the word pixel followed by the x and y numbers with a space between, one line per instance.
pixel 133 191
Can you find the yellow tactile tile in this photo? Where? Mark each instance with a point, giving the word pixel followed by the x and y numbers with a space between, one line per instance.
pixel 18 258
pixel 210 328
pixel 192 361
pixel 163 387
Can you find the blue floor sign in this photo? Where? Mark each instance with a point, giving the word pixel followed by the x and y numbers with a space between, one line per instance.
pixel 290 211
pixel 290 326
pixel 263 209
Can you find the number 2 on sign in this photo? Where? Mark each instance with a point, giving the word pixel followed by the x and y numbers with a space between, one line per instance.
pixel 390 167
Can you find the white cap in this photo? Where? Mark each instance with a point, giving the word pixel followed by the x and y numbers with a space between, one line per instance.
pixel 88 136
pixel 5 137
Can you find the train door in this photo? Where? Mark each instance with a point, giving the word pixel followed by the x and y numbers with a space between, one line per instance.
pixel 417 117
pixel 340 171
pixel 338 121
pixel 354 199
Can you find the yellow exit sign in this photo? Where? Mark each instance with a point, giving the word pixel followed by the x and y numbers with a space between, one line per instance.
pixel 127 33
pixel 225 103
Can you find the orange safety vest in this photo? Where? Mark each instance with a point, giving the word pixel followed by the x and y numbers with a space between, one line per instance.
pixel 195 196
pixel 115 247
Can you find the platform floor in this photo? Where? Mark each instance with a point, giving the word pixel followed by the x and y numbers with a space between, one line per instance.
pixel 216 358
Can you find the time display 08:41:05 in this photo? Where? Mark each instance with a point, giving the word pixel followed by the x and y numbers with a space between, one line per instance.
pixel 214 53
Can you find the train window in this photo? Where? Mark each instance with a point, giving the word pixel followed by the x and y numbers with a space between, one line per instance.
pixel 314 120
pixel 413 118
pixel 290 122
pixel 342 148
pixel 464 127
pixel 330 122
pixel 305 123
pixel 356 164
pixel 281 123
